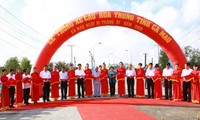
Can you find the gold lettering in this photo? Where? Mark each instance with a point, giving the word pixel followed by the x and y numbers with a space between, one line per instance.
pixel 125 16
pixel 81 27
pixel 165 36
pixel 143 21
pixel 73 31
pixel 89 17
pixel 98 23
pixel 139 28
pixel 118 22
pixel 104 15
pixel 91 24
pixel 51 40
pixel 107 22
pixel 64 28
pixel 79 20
pixel 155 28
pixel 126 23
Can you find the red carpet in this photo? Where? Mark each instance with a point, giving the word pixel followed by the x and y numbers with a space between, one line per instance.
pixel 105 101
pixel 108 108
pixel 111 112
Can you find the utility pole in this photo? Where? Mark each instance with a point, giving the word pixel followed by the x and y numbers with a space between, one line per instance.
pixel 71 52
pixel 92 59
pixel 145 59
pixel 74 61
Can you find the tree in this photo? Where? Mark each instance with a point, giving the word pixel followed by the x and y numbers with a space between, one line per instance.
pixel 163 59
pixel 25 63
pixel 192 54
pixel 12 63
pixel 59 64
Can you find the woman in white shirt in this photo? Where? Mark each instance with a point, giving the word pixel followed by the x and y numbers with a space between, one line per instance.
pixel 26 85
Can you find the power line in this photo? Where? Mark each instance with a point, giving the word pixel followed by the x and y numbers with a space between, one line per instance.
pixel 15 46
pixel 22 22
pixel 12 27
pixel 18 39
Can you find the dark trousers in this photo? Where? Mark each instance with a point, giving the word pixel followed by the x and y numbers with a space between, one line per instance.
pixel 26 95
pixel 168 89
pixel 150 88
pixel 130 84
pixel 12 95
pixel 186 91
pixel 46 91
pixel 80 84
pixel 145 84
pixel 63 89
pixel 112 88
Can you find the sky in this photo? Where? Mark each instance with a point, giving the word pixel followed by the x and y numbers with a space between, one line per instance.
pixel 26 26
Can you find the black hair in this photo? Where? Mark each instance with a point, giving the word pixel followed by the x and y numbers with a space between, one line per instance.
pixel 11 70
pixel 150 63
pixel 24 70
pixel 121 63
pixel 156 65
pixel 188 64
pixel 140 64
pixel 168 64
pixel 195 65
pixel 4 70
pixel 79 64
pixel 111 67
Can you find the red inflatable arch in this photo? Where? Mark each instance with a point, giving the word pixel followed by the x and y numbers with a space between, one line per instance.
pixel 112 18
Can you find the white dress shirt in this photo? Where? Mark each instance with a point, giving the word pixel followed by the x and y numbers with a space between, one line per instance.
pixel 150 72
pixel 80 73
pixel 63 76
pixel 167 72
pixel 26 85
pixel 11 76
pixel 130 73
pixel 186 72
pixel 45 75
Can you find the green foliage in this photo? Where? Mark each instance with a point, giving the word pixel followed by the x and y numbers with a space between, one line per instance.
pixel 59 64
pixel 163 59
pixel 12 63
pixel 25 63
pixel 192 54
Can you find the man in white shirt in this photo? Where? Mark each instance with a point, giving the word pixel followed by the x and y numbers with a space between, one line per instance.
pixel 150 85
pixel 80 83
pixel 96 74
pixel 167 73
pixel 186 84
pixel 46 76
pixel 63 79
pixel 26 85
pixel 11 77
pixel 130 74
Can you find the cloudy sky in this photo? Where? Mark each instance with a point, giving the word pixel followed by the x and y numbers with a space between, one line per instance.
pixel 26 25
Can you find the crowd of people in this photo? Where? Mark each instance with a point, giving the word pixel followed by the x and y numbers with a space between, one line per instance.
pixel 179 85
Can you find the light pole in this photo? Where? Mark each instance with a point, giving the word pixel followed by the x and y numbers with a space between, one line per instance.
pixel 158 48
pixel 92 59
pixel 93 52
pixel 71 52
pixel 129 54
